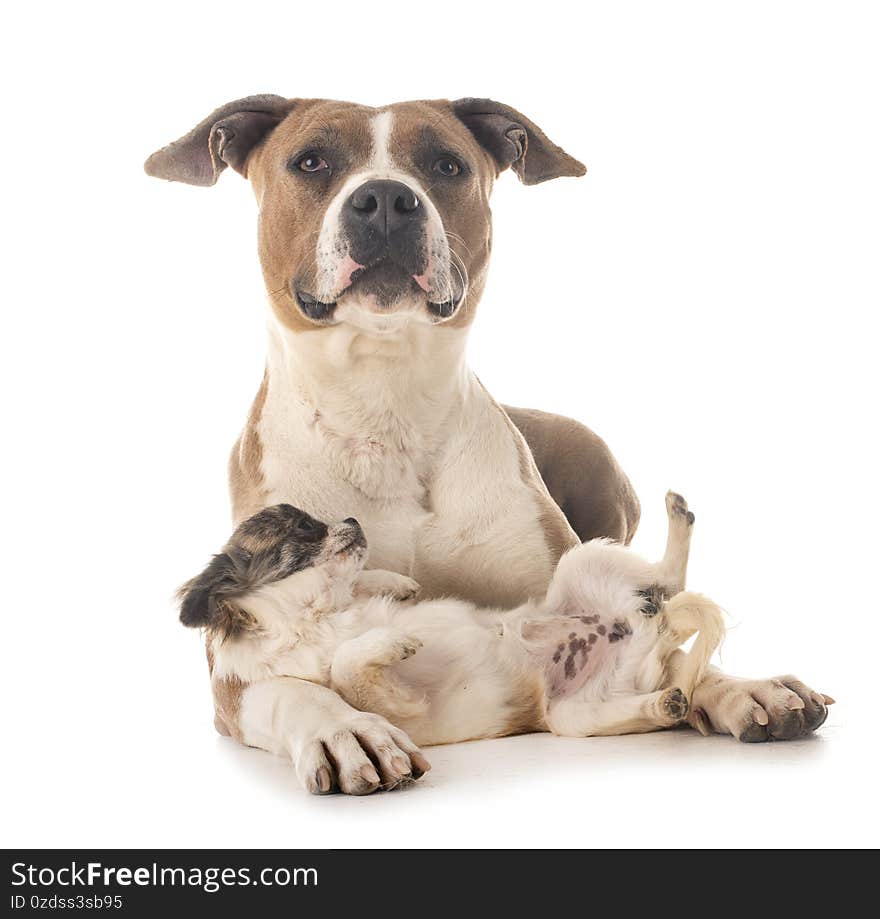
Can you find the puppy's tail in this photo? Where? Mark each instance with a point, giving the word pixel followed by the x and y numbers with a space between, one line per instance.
pixel 685 614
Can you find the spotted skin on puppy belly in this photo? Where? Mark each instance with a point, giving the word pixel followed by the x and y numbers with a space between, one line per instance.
pixel 572 649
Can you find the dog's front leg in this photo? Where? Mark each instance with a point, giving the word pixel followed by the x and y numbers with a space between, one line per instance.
pixel 780 708
pixel 334 747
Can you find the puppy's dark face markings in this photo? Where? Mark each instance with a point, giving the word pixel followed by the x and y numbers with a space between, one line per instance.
pixel 273 544
pixel 276 542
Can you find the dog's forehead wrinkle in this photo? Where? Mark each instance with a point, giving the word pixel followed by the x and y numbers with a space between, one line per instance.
pixel 339 126
pixel 325 135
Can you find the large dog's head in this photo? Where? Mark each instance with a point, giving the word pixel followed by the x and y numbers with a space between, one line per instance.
pixel 368 212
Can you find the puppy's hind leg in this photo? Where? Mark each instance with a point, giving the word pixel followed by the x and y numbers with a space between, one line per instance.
pixel 358 663
pixel 359 673
pixel 672 568
pixel 635 714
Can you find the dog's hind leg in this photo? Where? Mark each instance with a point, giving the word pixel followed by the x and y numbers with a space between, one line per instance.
pixel 634 714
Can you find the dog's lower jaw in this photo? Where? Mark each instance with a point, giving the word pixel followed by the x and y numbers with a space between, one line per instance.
pixel 364 315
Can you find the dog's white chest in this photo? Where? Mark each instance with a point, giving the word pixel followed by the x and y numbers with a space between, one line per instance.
pixel 385 465
pixel 334 470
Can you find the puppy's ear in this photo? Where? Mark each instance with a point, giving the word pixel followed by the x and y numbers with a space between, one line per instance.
pixel 225 138
pixel 205 601
pixel 516 142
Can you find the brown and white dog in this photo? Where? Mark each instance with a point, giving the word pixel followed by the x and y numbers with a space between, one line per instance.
pixel 374 240
pixel 287 597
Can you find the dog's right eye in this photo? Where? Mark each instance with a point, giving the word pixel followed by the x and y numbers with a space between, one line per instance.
pixel 309 162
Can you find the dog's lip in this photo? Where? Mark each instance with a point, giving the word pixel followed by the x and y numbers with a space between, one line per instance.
pixel 445 309
pixel 312 306
pixel 321 311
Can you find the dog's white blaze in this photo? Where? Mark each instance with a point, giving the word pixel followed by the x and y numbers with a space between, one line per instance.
pixel 381 127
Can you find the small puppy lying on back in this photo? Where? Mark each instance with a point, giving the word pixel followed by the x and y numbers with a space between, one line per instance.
pixel 288 596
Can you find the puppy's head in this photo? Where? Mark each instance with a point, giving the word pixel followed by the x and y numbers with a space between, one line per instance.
pixel 279 544
pixel 369 213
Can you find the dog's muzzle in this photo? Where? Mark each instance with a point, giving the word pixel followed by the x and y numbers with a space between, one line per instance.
pixel 384 252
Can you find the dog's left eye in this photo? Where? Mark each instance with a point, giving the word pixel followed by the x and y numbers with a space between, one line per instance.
pixel 310 162
pixel 306 525
pixel 447 166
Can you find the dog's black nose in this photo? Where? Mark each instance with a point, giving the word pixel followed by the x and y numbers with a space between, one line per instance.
pixel 385 207
pixel 351 522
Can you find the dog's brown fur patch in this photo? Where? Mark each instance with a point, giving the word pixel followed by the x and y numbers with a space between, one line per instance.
pixel 246 488
pixel 527 708
pixel 227 705
pixel 581 474
pixel 557 532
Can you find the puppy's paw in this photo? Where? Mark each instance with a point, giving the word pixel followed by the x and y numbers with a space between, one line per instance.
pixel 674 705
pixel 388 583
pixel 403 588
pixel 388 646
pixel 677 508
pixel 405 647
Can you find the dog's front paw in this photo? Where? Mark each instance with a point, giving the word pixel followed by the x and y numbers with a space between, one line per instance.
pixel 358 756
pixel 388 583
pixel 780 708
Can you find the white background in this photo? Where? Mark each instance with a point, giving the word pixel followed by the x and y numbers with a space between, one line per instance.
pixel 706 299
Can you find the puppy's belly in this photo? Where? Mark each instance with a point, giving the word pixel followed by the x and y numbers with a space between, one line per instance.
pixel 590 657
pixel 471 674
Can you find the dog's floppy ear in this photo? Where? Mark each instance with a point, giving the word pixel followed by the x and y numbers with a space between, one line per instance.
pixel 515 141
pixel 225 138
pixel 208 599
